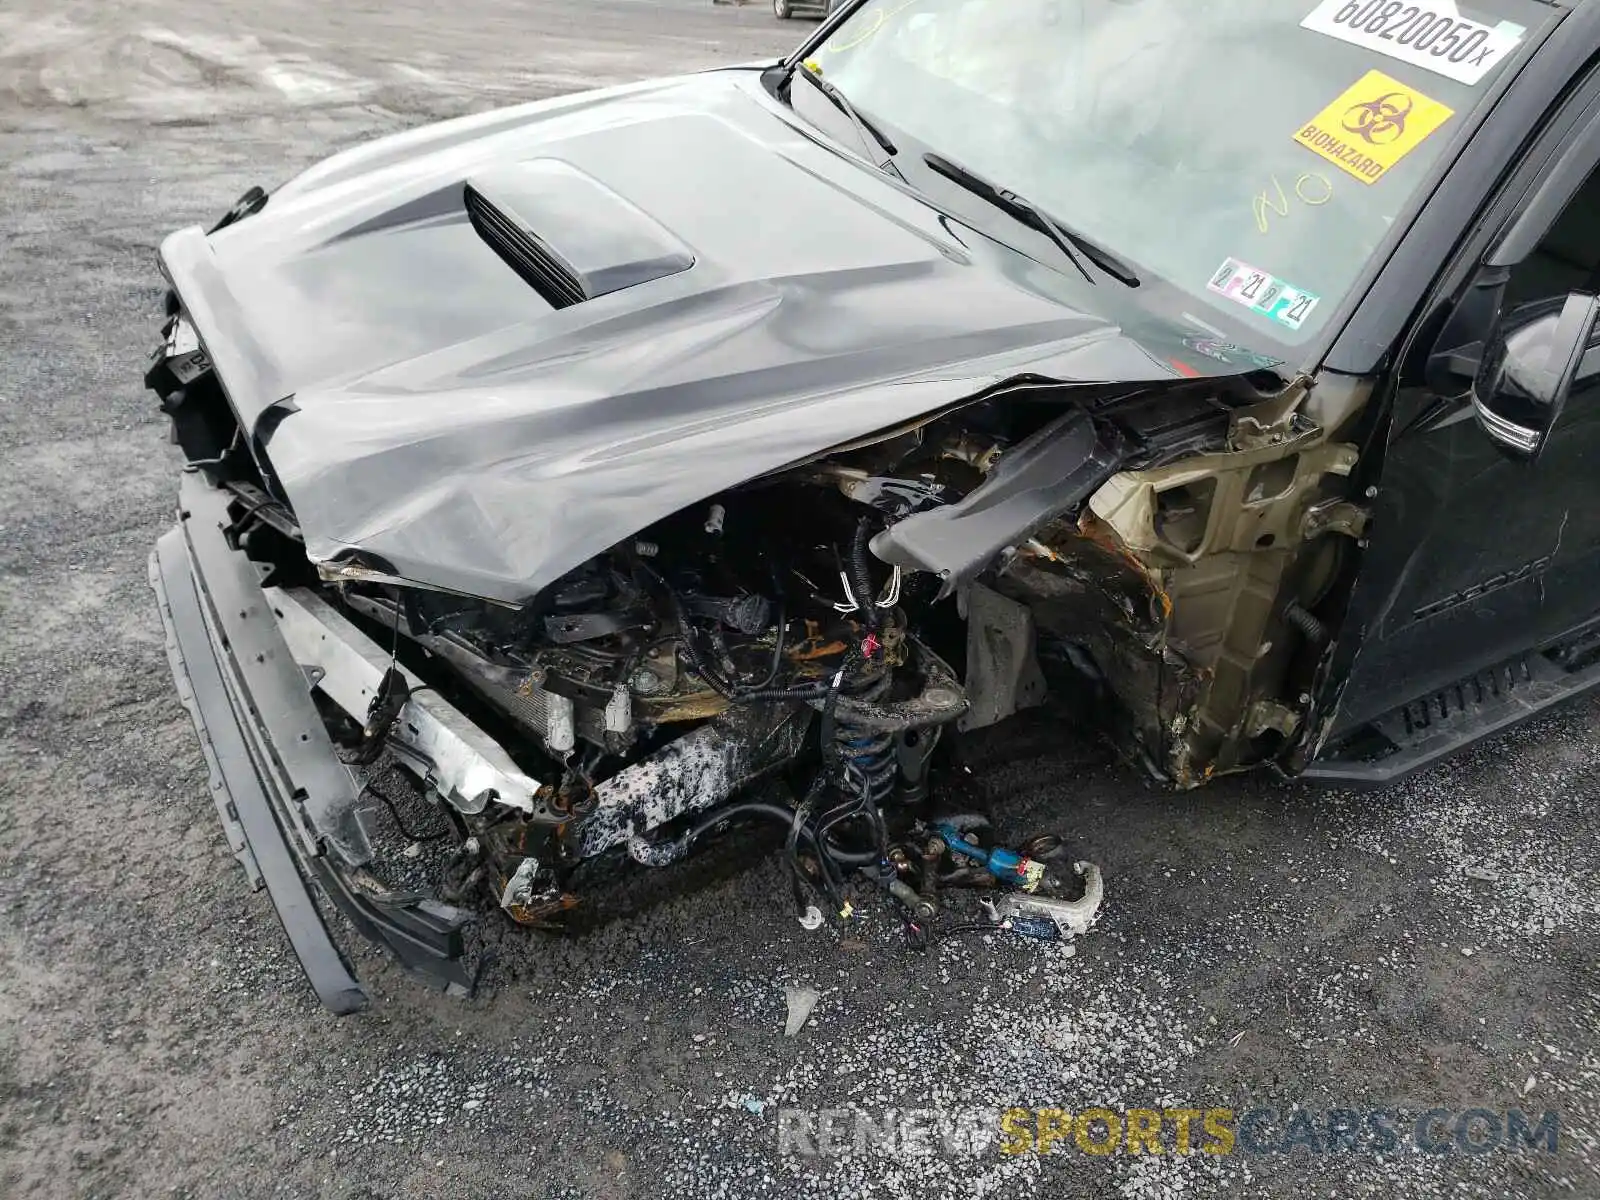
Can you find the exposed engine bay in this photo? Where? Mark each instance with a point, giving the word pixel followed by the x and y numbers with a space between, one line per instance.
pixel 659 524
pixel 791 653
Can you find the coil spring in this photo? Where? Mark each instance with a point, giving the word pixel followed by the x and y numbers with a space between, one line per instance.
pixel 867 756
pixel 1310 627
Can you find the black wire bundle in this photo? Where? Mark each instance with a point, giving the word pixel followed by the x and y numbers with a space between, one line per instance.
pixel 807 827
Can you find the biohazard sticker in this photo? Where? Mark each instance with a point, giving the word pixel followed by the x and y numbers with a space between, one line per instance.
pixel 1262 293
pixel 1372 126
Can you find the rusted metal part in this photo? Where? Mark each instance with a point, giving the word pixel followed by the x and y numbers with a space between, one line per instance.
pixel 1175 580
pixel 512 861
pixel 940 700
pixel 696 706
pixel 544 914
pixel 1108 611
pixel 1223 531
pixel 932 855
pixel 530 897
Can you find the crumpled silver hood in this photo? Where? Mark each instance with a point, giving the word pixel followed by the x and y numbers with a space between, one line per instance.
pixel 431 409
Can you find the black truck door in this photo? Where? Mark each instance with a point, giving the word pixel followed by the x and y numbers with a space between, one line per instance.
pixel 1479 561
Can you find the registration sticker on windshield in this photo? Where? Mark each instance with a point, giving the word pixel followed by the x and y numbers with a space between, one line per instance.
pixel 1372 125
pixel 1433 36
pixel 1262 293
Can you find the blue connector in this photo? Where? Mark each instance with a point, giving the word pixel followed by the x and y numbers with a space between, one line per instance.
pixel 1005 865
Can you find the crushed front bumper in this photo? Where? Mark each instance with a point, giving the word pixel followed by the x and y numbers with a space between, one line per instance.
pixel 288 803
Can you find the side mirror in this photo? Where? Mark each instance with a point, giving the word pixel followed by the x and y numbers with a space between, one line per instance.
pixel 1528 371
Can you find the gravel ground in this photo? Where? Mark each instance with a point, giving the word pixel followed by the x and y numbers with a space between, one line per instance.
pixel 1429 946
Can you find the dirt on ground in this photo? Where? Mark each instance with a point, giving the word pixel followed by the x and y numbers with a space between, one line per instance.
pixel 1263 947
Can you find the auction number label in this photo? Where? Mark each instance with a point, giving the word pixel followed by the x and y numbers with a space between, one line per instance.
pixel 1433 36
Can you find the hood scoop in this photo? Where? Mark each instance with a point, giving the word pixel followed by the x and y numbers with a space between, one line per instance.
pixel 569 236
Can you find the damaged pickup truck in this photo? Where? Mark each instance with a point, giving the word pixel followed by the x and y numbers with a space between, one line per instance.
pixel 638 464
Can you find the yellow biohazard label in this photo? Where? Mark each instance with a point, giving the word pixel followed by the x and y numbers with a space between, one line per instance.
pixel 1372 126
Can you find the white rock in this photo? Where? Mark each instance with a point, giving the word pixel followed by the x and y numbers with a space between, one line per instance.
pixel 801 1001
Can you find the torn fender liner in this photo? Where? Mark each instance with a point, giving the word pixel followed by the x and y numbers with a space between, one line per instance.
pixel 274 762
pixel 1054 470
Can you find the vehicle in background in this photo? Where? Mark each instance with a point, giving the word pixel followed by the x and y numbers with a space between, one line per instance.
pixel 785 9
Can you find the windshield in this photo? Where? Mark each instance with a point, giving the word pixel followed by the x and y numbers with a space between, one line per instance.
pixel 1251 154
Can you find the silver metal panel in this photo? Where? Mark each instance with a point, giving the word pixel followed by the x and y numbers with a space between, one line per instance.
pixel 465 765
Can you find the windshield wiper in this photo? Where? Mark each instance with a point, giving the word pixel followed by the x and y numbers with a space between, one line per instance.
pixel 865 129
pixel 1070 241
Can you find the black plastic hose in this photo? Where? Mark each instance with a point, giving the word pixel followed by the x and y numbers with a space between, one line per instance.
pixel 862 581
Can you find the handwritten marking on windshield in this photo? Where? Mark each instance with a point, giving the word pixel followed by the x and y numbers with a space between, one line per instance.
pixel 880 18
pixel 1310 187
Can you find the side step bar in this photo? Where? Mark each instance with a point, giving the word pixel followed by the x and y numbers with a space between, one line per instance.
pixel 1421 733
